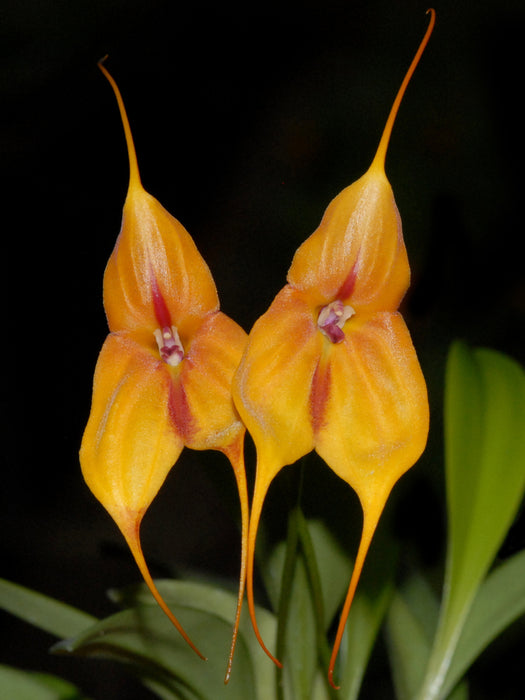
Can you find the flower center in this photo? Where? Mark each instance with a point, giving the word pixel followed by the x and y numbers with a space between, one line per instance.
pixel 332 318
pixel 170 346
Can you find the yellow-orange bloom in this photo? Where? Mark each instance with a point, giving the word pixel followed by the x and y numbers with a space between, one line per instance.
pixel 331 366
pixel 163 377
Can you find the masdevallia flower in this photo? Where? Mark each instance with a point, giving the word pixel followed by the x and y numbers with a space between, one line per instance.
pixel 163 377
pixel 331 366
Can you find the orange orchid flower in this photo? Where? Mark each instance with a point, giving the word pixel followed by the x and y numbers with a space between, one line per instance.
pixel 331 366
pixel 163 377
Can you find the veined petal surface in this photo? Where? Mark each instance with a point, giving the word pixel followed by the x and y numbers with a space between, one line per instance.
pixel 206 376
pixel 357 253
pixel 272 385
pixel 375 419
pixel 155 275
pixel 130 443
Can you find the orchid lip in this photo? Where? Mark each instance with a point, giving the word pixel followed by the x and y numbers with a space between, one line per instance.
pixel 332 318
pixel 170 345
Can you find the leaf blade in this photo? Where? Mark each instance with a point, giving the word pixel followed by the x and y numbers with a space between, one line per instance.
pixel 500 601
pixel 53 616
pixel 143 636
pixel 485 480
pixel 25 685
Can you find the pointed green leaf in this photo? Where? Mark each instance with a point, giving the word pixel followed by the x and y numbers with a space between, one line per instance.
pixel 485 475
pixel 297 633
pixel 500 601
pixel 321 576
pixel 411 621
pixel 301 662
pixel 45 613
pixel 334 566
pixel 485 461
pixel 410 625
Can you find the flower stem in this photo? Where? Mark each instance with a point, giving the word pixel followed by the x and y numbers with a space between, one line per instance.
pixel 314 578
pixel 287 576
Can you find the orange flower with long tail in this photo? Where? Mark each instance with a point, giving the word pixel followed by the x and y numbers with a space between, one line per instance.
pixel 163 377
pixel 331 366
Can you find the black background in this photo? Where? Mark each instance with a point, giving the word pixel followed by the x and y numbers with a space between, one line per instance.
pixel 247 121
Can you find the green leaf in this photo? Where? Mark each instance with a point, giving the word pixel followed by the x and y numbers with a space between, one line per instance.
pixel 320 575
pixel 485 479
pixel 460 692
pixel 144 638
pixel 301 661
pixel 25 685
pixel 500 601
pixel 50 615
pixel 411 622
pixel 297 631
pixel 334 566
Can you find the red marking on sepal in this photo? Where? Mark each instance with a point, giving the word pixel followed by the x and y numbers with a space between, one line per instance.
pixel 160 307
pixel 319 393
pixel 180 411
pixel 348 285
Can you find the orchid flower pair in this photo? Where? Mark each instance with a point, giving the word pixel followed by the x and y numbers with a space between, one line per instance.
pixel 330 366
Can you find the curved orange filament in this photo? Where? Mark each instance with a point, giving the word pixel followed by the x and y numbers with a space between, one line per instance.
pixel 236 456
pixel 369 526
pixel 257 504
pixel 134 175
pixel 131 534
pixel 379 158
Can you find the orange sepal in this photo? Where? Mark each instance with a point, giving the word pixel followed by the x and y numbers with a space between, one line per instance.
pixel 129 444
pixel 155 275
pixel 205 379
pixel 375 422
pixel 358 250
pixel 272 392
pixel 271 387
pixel 375 418
pixel 212 356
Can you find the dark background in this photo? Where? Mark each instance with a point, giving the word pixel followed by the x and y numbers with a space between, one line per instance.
pixel 247 121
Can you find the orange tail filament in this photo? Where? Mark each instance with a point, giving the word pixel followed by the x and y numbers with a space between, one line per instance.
pixel 236 457
pixel 258 499
pixel 132 538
